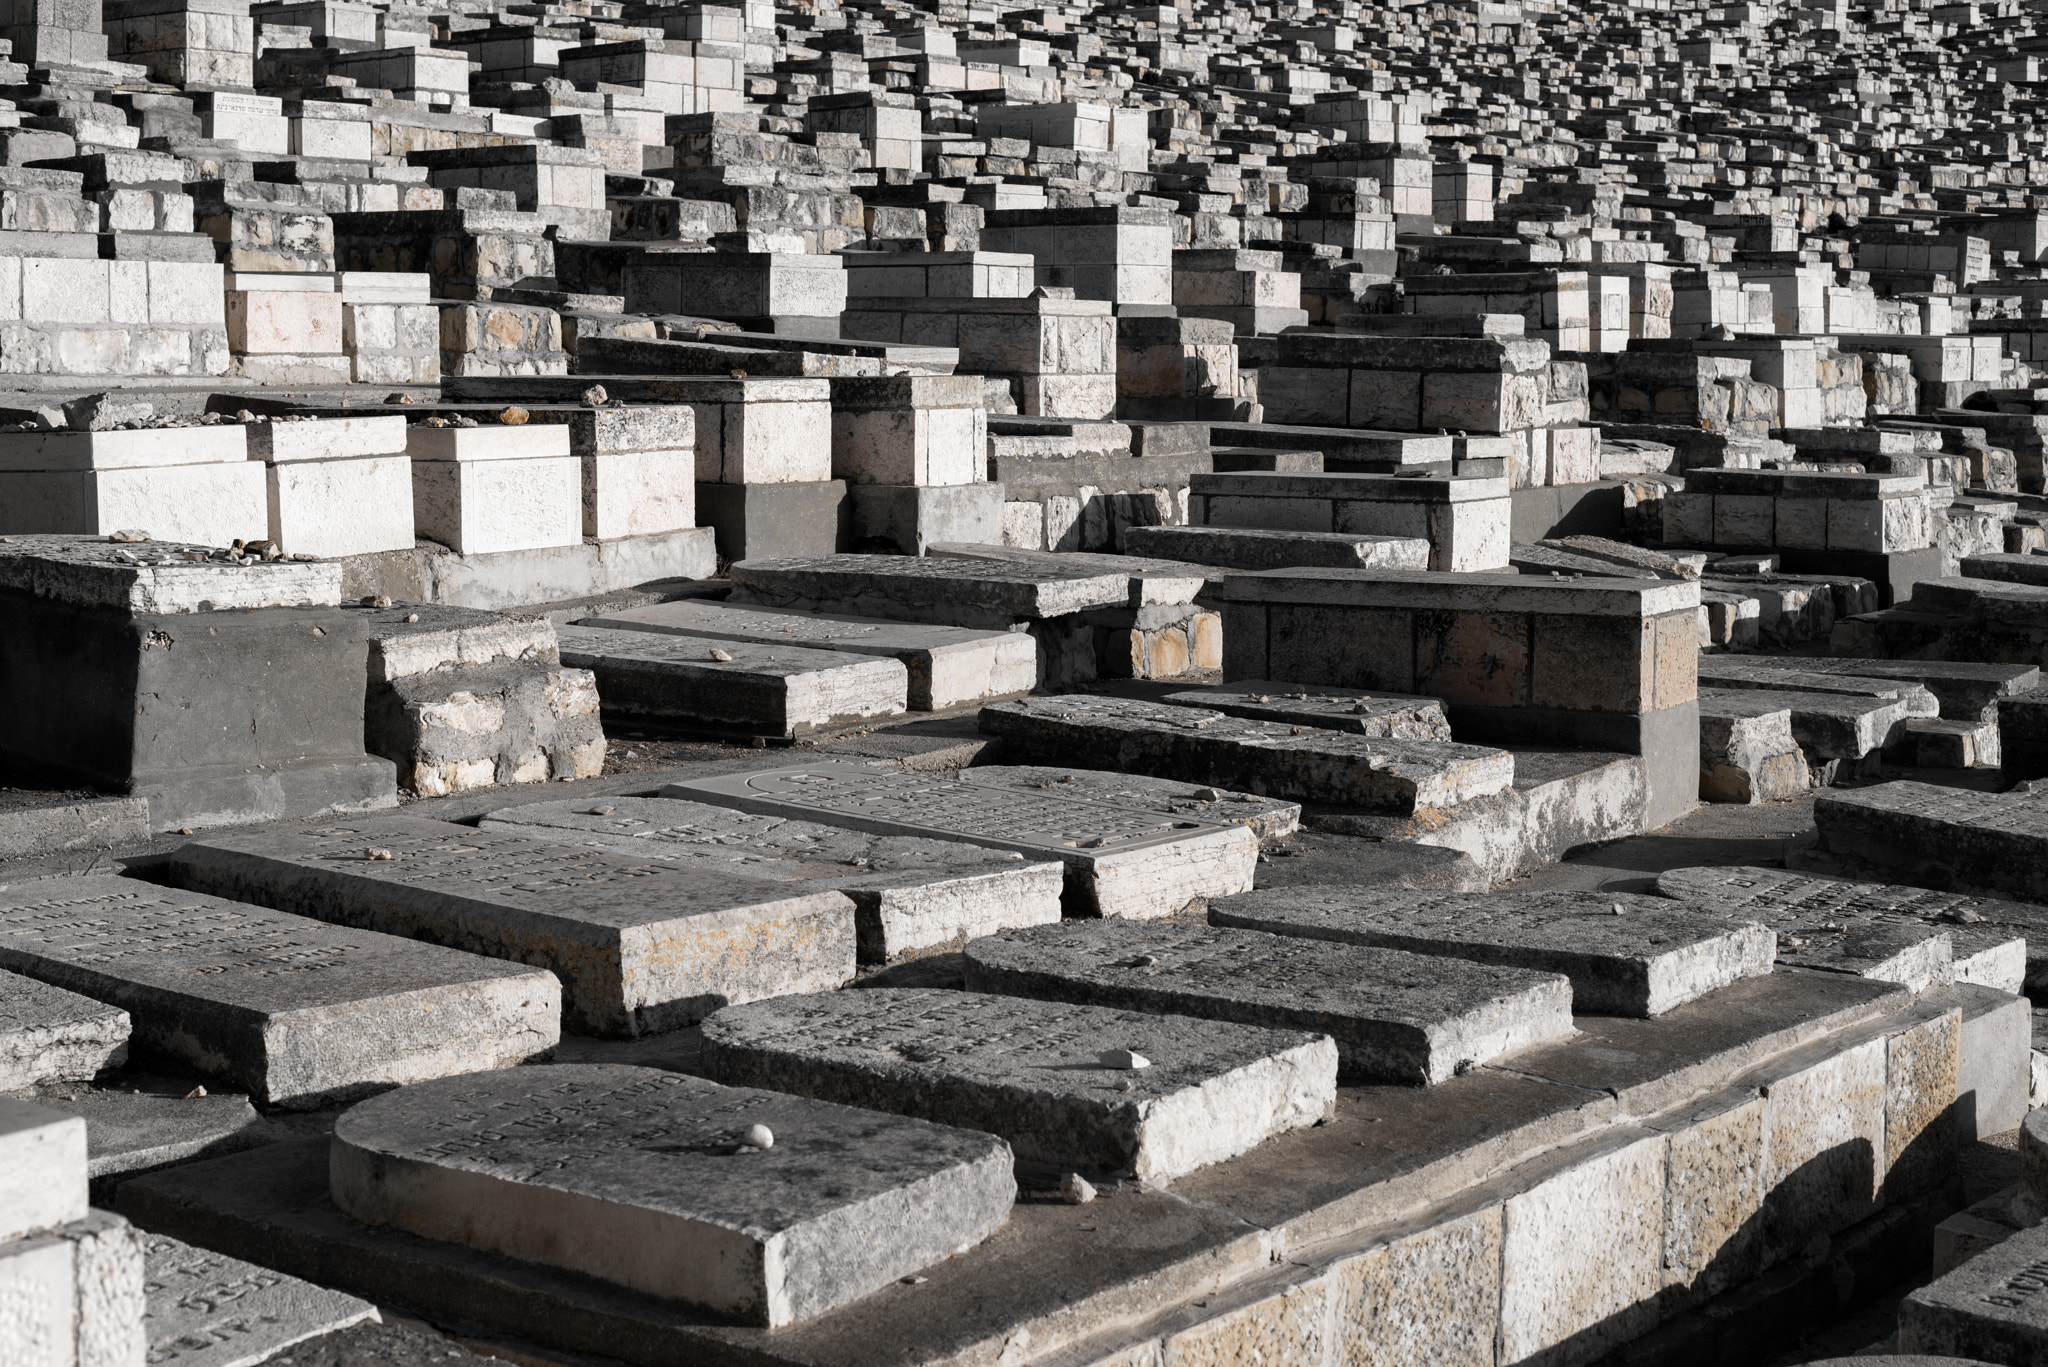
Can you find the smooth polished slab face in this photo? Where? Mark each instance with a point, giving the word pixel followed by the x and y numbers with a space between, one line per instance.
pixel 1038 1073
pixel 649 1180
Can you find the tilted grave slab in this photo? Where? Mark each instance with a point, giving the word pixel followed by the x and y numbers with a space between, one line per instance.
pixel 296 1012
pixel 779 690
pixel 965 593
pixel 638 946
pixel 49 1034
pixel 910 895
pixel 1038 1073
pixel 1251 548
pixel 1626 955
pixel 206 1309
pixel 1195 801
pixel 1385 715
pixel 643 1178
pixel 1396 1017
pixel 1120 861
pixel 1195 745
pixel 948 666
pixel 1996 943
pixel 1936 837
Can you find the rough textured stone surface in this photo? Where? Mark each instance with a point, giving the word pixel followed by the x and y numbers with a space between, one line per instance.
pixel 1940 837
pixel 1387 715
pixel 1993 1307
pixel 210 1310
pixel 1268 817
pixel 48 1034
pixel 293 1011
pixel 1396 1017
pixel 42 1168
pixel 1120 861
pixel 1033 1072
pixel 1640 963
pixel 970 593
pixel 639 1177
pixel 74 1295
pixel 910 895
pixel 1423 1299
pixel 158 577
pixel 637 945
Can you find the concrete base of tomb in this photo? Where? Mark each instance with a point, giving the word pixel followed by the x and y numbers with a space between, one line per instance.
pixel 235 794
pixel 429 573
pixel 762 521
pixel 907 518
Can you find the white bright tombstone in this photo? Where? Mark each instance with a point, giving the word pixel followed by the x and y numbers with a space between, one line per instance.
pixel 177 483
pixel 336 486
pixel 482 489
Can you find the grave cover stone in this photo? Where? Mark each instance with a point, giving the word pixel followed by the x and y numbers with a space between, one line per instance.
pixel 50 1035
pixel 1939 837
pixel 206 1309
pixel 1265 815
pixel 1331 709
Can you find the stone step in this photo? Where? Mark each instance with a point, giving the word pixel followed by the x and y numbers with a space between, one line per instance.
pixel 1626 955
pixel 1267 817
pixel 1396 1016
pixel 1196 745
pixel 776 690
pixel 1388 715
pixel 655 1181
pixel 913 589
pixel 910 896
pixel 1951 838
pixel 1052 1079
pixel 205 1309
pixel 296 1012
pixel 50 1035
pixel 638 947
pixel 948 666
pixel 1120 861
pixel 1249 549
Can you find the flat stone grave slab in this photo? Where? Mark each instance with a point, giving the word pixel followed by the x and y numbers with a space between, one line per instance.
pixel 206 1309
pixel 128 1130
pixel 1392 715
pixel 1120 861
pixel 947 666
pixel 1265 815
pixel 967 593
pixel 1967 690
pixel 1034 1073
pixel 293 1011
pixel 160 576
pixel 643 1178
pixel 1993 1307
pixel 638 946
pixel 1830 725
pixel 775 690
pixel 910 896
pixel 1396 1017
pixel 50 1035
pixel 1625 955
pixel 1235 548
pixel 1996 943
pixel 1151 583
pixel 1197 745
pixel 1940 837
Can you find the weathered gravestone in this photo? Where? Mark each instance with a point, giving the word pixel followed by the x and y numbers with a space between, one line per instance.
pixel 1195 801
pixel 1390 715
pixel 1046 1076
pixel 1396 1017
pixel 1938 837
pixel 654 1181
pixel 296 1012
pixel 50 1035
pixel 638 946
pixel 209 1310
pixel 1119 861
pixel 909 895
pixel 1625 955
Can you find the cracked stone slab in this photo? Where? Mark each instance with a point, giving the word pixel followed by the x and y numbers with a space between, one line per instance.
pixel 1940 837
pixel 1033 1072
pixel 1120 861
pixel 639 946
pixel 206 1309
pixel 1266 816
pixel 1393 716
pixel 1198 745
pixel 50 1035
pixel 1396 1016
pixel 641 1178
pixel 294 1011
pixel 1643 962
pixel 910 895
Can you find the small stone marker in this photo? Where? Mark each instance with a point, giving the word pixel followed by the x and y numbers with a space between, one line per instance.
pixel 1037 1073
pixel 1995 943
pixel 206 1309
pixel 1391 715
pixel 1119 862
pixel 1940 837
pixel 1396 1017
pixel 643 1178
pixel 295 1012
pixel 639 947
pixel 48 1034
pixel 1195 801
pixel 42 1168
pixel 1646 961
pixel 909 895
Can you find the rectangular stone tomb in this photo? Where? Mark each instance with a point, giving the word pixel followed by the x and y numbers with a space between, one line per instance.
pixel 1388 715
pixel 1266 816
pixel 1044 1075
pixel 639 947
pixel 1877 930
pixel 1626 955
pixel 205 1309
pixel 910 895
pixel 1938 837
pixel 1396 1017
pixel 949 666
pixel 779 690
pixel 658 1182
pixel 1120 861
pixel 1829 725
pixel 295 1012
pixel 1994 1308
pixel 1196 745
pixel 968 593
pixel 50 1035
